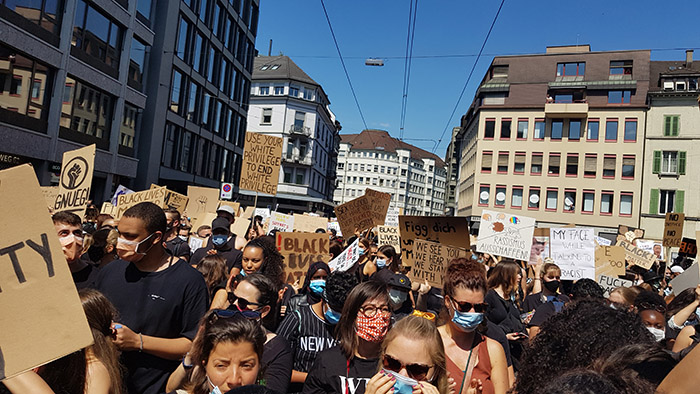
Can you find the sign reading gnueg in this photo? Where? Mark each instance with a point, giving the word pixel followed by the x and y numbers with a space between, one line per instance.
pixel 262 157
pixel 76 180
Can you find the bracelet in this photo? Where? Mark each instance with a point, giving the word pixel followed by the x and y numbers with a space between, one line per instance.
pixel 185 365
pixel 141 338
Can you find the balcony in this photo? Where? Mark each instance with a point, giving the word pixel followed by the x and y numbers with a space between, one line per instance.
pixel 566 110
pixel 300 130
pixel 295 158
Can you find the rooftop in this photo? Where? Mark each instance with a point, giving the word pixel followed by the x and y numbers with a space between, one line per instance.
pixel 381 140
pixel 279 67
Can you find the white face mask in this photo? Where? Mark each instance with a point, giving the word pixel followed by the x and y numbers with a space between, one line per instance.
pixel 72 246
pixel 658 333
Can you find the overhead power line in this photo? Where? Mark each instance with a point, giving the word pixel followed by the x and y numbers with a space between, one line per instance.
pixel 476 61
pixel 340 55
pixel 410 35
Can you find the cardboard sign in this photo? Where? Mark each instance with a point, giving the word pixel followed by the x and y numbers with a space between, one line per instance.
pixel 202 220
pixel 196 242
pixel 240 226
pixel 175 200
pixel 262 157
pixel 450 230
pixel 108 208
pixel 42 317
pixel 380 204
pixel 201 200
pixel 610 283
pixel 300 250
pixel 688 248
pixel 235 205
pixel 120 190
pixel 431 261
pixel 262 212
pixel 126 201
pixel 392 217
pixel 610 260
pixel 76 180
pixel 573 250
pixel 309 224
pixel 50 193
pixel 673 229
pixel 630 234
pixel 334 225
pixel 637 256
pixel 689 278
pixel 345 260
pixel 389 235
pixel 503 234
pixel 355 215
pixel 281 222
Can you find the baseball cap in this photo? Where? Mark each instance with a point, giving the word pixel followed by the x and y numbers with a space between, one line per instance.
pixel 677 269
pixel 227 209
pixel 221 223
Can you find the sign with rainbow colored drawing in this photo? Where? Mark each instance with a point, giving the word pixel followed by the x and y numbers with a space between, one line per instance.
pixel 504 234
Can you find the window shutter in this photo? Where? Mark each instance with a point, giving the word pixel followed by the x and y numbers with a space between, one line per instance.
pixel 680 200
pixel 667 126
pixel 654 201
pixel 656 168
pixel 681 163
pixel 674 129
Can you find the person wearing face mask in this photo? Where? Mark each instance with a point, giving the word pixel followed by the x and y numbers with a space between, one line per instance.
pixel 104 247
pixel 364 322
pixel 387 258
pixel 221 243
pixel 175 245
pixel 312 289
pixel 550 278
pixel 309 329
pixel 159 300
pixel 399 287
pixel 651 308
pixel 472 359
pixel 365 266
pixel 70 235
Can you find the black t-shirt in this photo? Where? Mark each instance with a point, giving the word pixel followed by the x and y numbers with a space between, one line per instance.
pixel 178 248
pixel 277 363
pixel 233 257
pixel 86 277
pixel 331 373
pixel 307 334
pixel 503 312
pixel 163 304
pixel 544 311
pixel 532 301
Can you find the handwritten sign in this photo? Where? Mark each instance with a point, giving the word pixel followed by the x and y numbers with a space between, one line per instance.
pixel 126 201
pixel 602 241
pixel 42 317
pixel 108 208
pixel 431 261
pixel 652 246
pixel 673 229
pixel 389 235
pixel 610 260
pixel 452 230
pixel 76 180
pixel 201 200
pixel 121 189
pixel 379 203
pixel 300 250
pixel 610 283
pixel 175 200
pixel 50 193
pixel 240 226
pixel 309 224
pixel 630 234
pixel 262 158
pixel 637 256
pixel 540 246
pixel 345 260
pixel 392 217
pixel 503 234
pixel 573 250
pixel 234 205
pixel 355 215
pixel 688 248
pixel 281 222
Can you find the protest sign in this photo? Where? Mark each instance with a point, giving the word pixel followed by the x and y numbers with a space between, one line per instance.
pixel 652 246
pixel 126 201
pixel 389 235
pixel 204 219
pixel 42 316
pixel 355 215
pixel 602 241
pixel 345 260
pixel 392 217
pixel 573 250
pixel 201 200
pixel 431 260
pixel 300 250
pixel 50 193
pixel 540 246
pixel 108 208
pixel 610 283
pixel 689 278
pixel 263 212
pixel 281 222
pixel 637 256
pixel 120 190
pixel 196 242
pixel 503 234
pixel 175 200
pixel 673 229
pixel 262 157
pixel 379 203
pixel 334 225
pixel 76 180
pixel 309 224
pixel 609 260
pixel 451 230
pixel 240 226
pixel 630 234
pixel 688 248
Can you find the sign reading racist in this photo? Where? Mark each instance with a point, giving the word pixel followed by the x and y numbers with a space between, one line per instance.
pixel 573 250
pixel 503 234
pixel 673 229
pixel 300 250
pixel 637 256
pixel 447 230
pixel 355 215
pixel 76 180
pixel 389 235
pixel 379 203
pixel 126 201
pixel 610 260
pixel 431 260
pixel 262 158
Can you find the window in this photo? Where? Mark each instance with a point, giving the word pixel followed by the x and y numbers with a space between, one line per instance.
pixel 574 130
pixel 505 129
pixel 486 161
pixel 563 98
pixel 183 33
pixel 536 165
pixel 200 49
pixel 606 202
pixel 287 175
pixel 533 201
pixel 625 204
pixel 554 163
pixel 127 128
pixel 300 175
pixel 619 96
pixel 609 166
pixel 500 196
pixel 215 19
pixel 45 14
pixel 539 129
pixel 669 162
pixel 666 201
pixel 590 166
pixel 137 63
pixel 630 130
pixel 279 90
pixel 203 7
pixel 588 201
pixel 294 91
pixel 502 162
pixel 552 197
pixel 522 129
pixel 89 114
pixel 299 119
pixel 611 130
pixel 628 167
pixel 192 102
pixel 308 94
pixel 264 90
pixel 621 67
pixel 671 125
pixel 97 37
pixel 519 165
pixel 176 91
pixel 592 129
pixel 484 194
pixel 571 69
pixel 516 200
pixel 499 71
pixel 557 129
pixel 572 164
pixel 489 129
pixel 266 116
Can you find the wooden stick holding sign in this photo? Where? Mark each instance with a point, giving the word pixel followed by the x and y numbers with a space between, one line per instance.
pixel 76 180
pixel 431 261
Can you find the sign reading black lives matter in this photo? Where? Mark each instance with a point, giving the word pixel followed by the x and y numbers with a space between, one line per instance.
pixel 262 158
pixel 76 181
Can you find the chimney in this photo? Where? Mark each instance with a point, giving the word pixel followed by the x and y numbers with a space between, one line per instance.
pixel 689 58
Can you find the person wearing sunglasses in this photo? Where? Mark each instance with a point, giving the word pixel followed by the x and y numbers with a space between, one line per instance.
pixel 473 360
pixel 651 308
pixel 364 322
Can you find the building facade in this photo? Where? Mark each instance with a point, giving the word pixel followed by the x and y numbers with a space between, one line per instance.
pixel 416 179
pixel 286 102
pixel 452 161
pixel 559 137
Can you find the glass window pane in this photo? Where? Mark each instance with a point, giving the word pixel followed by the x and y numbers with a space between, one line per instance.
pixel 144 8
pixel 574 130
pixel 557 129
pixel 552 199
pixel 593 130
pixel 611 130
pixel 631 130
pixel 517 199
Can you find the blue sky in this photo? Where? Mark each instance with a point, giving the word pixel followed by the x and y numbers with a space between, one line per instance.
pixel 378 29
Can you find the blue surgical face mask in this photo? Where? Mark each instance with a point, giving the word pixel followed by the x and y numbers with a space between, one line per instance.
pixel 403 384
pixel 317 286
pixel 381 263
pixel 363 251
pixel 243 273
pixel 332 316
pixel 467 321
pixel 218 240
pixel 215 389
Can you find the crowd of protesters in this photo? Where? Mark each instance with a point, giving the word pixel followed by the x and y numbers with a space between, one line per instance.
pixel 218 319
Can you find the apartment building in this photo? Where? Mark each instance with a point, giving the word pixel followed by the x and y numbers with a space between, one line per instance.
pixel 557 136
pixel 415 178
pixel 287 103
pixel 671 172
pixel 452 160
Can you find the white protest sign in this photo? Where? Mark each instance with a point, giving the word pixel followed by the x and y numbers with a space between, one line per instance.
pixel 609 283
pixel 573 250
pixel 392 217
pixel 334 225
pixel 195 243
pixel 602 241
pixel 264 212
pixel 689 278
pixel 504 234
pixel 389 235
pixel 120 190
pixel 347 258
pixel 281 222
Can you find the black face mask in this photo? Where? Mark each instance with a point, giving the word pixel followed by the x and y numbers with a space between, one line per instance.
pixel 552 286
pixel 96 253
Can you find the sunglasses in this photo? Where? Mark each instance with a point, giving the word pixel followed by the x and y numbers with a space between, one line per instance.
pixel 644 306
pixel 467 306
pixel 415 371
pixel 242 303
pixel 227 313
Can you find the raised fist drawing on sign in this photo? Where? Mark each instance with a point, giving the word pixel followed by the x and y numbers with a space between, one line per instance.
pixel 73 174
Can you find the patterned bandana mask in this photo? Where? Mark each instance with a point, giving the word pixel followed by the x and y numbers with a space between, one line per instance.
pixel 372 329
